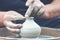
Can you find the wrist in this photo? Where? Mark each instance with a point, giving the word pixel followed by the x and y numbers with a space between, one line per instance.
pixel 51 13
pixel 2 14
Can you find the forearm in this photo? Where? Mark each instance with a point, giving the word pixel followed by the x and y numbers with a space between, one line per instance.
pixel 1 18
pixel 52 10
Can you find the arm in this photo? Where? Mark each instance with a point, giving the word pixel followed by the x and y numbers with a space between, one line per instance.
pixel 52 9
pixel 1 18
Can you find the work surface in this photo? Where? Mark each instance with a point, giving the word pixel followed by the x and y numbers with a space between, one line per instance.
pixel 42 37
pixel 50 32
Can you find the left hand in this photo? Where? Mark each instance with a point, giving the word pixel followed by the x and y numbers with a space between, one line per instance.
pixel 36 6
pixel 12 16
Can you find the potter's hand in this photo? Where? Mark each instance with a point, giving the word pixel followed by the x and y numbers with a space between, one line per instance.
pixel 12 16
pixel 35 7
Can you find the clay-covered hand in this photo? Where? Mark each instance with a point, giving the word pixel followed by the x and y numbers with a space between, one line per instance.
pixel 12 16
pixel 35 7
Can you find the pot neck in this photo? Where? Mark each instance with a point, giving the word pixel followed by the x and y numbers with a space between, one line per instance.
pixel 29 18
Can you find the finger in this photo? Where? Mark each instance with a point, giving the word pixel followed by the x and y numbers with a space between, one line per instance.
pixel 29 11
pixel 36 9
pixel 38 4
pixel 41 12
pixel 13 30
pixel 11 24
pixel 41 3
pixel 39 8
pixel 33 7
pixel 17 27
pixel 14 15
pixel 28 2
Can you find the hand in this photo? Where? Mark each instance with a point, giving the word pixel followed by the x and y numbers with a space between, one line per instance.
pixel 12 16
pixel 35 6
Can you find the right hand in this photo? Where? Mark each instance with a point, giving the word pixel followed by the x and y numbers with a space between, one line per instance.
pixel 36 6
pixel 52 10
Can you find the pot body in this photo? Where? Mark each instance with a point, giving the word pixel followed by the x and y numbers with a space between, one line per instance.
pixel 30 29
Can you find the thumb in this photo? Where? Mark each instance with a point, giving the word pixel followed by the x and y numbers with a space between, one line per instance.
pixel 11 24
pixel 28 2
